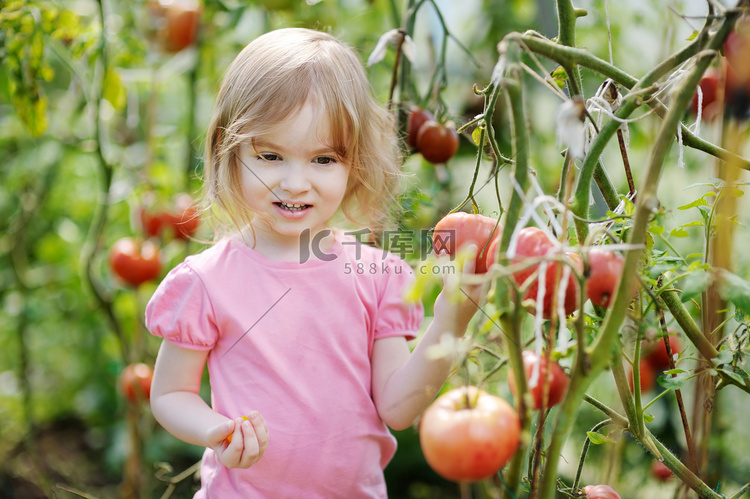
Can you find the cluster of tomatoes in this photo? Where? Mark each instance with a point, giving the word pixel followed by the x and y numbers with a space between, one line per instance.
pixel 532 248
pixel 729 82
pixel 435 141
pixel 468 434
pixel 135 260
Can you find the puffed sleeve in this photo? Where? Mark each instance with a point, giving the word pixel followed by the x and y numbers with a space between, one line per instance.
pixel 396 316
pixel 180 310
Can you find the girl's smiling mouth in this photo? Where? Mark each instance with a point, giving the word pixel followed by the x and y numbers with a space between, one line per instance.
pixel 292 206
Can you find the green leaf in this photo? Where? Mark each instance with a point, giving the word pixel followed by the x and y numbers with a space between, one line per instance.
pixel 559 76
pixel 476 135
pixel 735 373
pixel 734 289
pixel 114 90
pixel 673 382
pixel 697 202
pixel 678 233
pixel 598 438
pixel 656 229
pixel 694 284
pixel 694 223
pixel 724 357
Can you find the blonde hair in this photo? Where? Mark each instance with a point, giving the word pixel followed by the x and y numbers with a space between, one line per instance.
pixel 271 79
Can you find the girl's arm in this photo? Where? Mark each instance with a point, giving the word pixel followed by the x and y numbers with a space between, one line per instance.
pixel 404 383
pixel 178 407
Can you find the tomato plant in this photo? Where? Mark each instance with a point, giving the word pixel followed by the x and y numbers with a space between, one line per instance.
pixel 458 230
pixel 135 382
pixel 600 492
pixel 134 261
pixel 536 374
pixel 438 143
pixel 468 434
pixel 603 275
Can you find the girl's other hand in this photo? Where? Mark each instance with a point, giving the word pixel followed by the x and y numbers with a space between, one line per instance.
pixel 241 442
pixel 465 298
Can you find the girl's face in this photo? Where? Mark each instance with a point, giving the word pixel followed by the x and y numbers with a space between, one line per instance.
pixel 292 180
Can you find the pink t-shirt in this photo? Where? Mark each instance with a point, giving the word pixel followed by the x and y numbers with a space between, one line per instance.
pixel 293 341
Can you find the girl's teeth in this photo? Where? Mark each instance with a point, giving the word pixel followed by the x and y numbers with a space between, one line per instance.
pixel 292 207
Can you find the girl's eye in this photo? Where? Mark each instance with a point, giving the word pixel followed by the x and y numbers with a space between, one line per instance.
pixel 324 160
pixel 269 156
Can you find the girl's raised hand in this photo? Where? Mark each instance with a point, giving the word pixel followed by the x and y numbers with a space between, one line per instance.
pixel 241 442
pixel 464 303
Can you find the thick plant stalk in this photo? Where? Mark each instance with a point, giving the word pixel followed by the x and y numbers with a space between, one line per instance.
pixel 646 206
pixel 512 321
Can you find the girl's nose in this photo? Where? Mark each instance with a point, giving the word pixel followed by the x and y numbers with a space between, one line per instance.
pixel 295 179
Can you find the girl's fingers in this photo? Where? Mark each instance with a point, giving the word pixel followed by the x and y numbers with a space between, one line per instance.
pixel 261 431
pixel 255 438
pixel 219 433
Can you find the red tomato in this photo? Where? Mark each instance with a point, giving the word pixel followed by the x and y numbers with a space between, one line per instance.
pixel 647 376
pixel 437 143
pixel 135 262
pixel 152 223
pixel 737 49
pixel 660 471
pixel 600 492
pixel 468 434
pixel 536 370
pixel 658 358
pixel 457 230
pixel 550 277
pixel 185 221
pixel 181 20
pixel 533 243
pixel 417 117
pixel 709 86
pixel 135 382
pixel 603 276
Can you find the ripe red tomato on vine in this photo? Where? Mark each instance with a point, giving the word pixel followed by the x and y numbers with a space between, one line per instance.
pixel 468 434
pixel 647 376
pixel 533 243
pixel 603 275
pixel 135 261
pixel 417 118
pixel 657 357
pixel 458 230
pixel 135 382
pixel 537 372
pixel 438 143
pixel 600 492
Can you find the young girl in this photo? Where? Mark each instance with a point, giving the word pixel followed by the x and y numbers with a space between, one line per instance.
pixel 306 344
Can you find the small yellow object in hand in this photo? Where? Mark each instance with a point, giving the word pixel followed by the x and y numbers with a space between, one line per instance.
pixel 229 438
